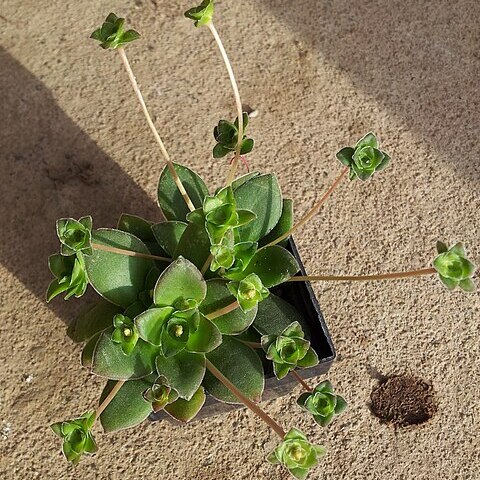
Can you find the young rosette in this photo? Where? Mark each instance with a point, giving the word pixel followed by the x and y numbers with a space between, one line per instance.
pixel 365 158
pixel 77 437
pixel 248 292
pixel 322 403
pixel 75 235
pixel 174 323
pixel 202 14
pixel 220 215
pixel 297 454
pixel 125 333
pixel 226 135
pixel 160 394
pixel 454 268
pixel 70 276
pixel 289 350
pixel 112 33
pixel 230 256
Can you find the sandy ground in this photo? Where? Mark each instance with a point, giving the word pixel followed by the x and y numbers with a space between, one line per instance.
pixel 320 73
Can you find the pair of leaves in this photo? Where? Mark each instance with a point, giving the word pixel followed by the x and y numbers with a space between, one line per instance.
pixel 112 33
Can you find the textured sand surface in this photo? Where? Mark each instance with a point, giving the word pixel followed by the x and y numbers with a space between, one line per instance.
pixel 320 73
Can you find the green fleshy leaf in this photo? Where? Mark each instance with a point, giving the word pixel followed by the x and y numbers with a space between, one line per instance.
pixel 281 370
pixel 218 297
pixel 274 265
pixel 137 226
pixel 118 278
pixel 260 194
pixel 179 282
pixel 168 235
pixel 194 245
pixel 239 181
pixel 185 410
pixel 345 155
pixel 368 140
pixel 88 349
pixel 202 14
pixel 241 365
pixel 441 247
pixel 467 285
pixel 449 282
pixel 303 398
pixel 459 249
pixel 170 199
pixel 341 405
pixel 275 314
pixel 247 146
pixel 219 151
pixel 128 407
pixel 309 360
pixel 150 324
pixel 324 420
pixel 109 360
pixel 205 338
pixel 96 318
pixel 284 225
pixel 324 387
pixel 184 372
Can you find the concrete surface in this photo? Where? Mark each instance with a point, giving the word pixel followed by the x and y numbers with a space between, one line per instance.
pixel 321 73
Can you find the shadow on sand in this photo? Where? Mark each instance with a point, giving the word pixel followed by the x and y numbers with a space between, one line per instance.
pixel 50 169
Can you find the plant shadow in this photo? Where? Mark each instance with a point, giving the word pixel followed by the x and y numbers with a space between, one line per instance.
pixel 50 169
pixel 418 60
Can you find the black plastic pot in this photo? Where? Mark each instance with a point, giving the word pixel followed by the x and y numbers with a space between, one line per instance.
pixel 301 296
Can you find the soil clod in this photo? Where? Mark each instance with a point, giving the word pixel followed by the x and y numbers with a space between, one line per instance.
pixel 403 400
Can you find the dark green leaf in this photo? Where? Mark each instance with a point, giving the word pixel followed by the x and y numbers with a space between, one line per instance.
pixel 168 235
pixel 170 199
pixel 275 314
pixel 194 245
pixel 274 265
pixel 93 320
pixel 180 281
pixel 205 338
pixel 218 297
pixel 116 277
pixel 220 151
pixel 128 407
pixel 283 226
pixel 241 365
pixel 137 226
pixel 109 360
pixel 186 410
pixel 262 196
pixel 88 349
pixel 345 155
pixel 184 372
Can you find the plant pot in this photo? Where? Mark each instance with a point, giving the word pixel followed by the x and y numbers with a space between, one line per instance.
pixel 302 297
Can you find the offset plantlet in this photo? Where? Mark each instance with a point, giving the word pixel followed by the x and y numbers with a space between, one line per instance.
pixel 365 158
pixel 201 15
pixel 75 235
pixel 77 437
pixel 184 302
pixel 454 268
pixel 289 350
pixel 322 403
pixel 226 135
pixel 125 333
pixel 248 292
pixel 70 276
pixel 297 454
pixel 112 33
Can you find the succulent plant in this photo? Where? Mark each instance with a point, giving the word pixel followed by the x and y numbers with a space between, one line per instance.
pixel 125 333
pixel 365 158
pixel 454 268
pixel 160 394
pixel 297 454
pixel 112 33
pixel 226 135
pixel 77 437
pixel 202 14
pixel 248 291
pixel 75 235
pixel 322 403
pixel 70 276
pixel 289 350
